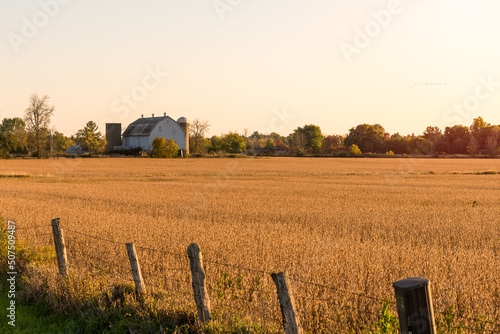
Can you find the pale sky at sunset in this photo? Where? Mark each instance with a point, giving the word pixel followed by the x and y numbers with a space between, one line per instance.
pixel 246 63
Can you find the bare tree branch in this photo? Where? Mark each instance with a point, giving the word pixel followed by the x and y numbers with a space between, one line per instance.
pixel 197 130
pixel 37 118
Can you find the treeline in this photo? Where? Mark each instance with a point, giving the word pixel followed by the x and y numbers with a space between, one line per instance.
pixel 481 138
pixel 33 135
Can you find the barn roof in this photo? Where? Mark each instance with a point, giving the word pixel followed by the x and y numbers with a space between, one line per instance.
pixel 143 126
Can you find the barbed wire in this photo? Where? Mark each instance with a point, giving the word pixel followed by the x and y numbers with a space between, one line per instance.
pixel 263 315
pixel 236 266
pixel 93 236
pixel 31 227
pixel 161 251
pixel 297 279
pixel 41 235
pixel 212 287
pixel 345 306
pixel 480 322
pixel 333 288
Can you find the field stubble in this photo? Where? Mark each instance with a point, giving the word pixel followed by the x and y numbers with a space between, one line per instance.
pixel 350 226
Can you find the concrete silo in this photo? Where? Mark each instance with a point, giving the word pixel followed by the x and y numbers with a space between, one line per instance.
pixel 184 124
pixel 113 135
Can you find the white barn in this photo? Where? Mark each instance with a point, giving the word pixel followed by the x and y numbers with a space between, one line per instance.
pixel 143 131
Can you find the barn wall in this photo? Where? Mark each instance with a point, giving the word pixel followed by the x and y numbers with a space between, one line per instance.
pixel 131 142
pixel 169 129
pixel 145 144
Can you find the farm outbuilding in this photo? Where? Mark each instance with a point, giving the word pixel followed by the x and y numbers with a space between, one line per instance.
pixel 75 149
pixel 143 131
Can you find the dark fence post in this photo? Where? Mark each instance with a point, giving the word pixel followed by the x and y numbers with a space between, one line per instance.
pixel 198 277
pixel 291 323
pixel 62 258
pixel 136 268
pixel 414 303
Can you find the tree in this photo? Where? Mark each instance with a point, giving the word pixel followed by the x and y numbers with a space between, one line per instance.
pixel 491 140
pixel 309 136
pixel 234 143
pixel 197 130
pixel 477 125
pixel 398 144
pixel 369 138
pixel 478 139
pixel 60 143
pixel 434 136
pixel 12 136
pixel 256 135
pixel 164 148
pixel 37 117
pixel 280 143
pixel 314 137
pixel 331 144
pixel 425 146
pixel 90 138
pixel 270 143
pixel 456 139
pixel 354 150
pixel 216 144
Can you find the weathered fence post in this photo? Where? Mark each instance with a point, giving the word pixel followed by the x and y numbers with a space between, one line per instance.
pixel 414 303
pixel 136 268
pixel 291 323
pixel 198 276
pixel 62 258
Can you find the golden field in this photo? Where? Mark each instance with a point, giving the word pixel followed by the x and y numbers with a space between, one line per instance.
pixel 352 225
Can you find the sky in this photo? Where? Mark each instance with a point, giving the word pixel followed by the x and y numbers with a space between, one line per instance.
pixel 254 65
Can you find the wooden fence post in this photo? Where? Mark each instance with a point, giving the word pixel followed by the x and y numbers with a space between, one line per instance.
pixel 136 268
pixel 62 258
pixel 291 323
pixel 198 277
pixel 414 303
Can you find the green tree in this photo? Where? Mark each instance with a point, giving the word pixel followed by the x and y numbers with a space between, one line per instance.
pixel 277 137
pixel 37 118
pixel 434 136
pixel 314 137
pixel 456 139
pixel 12 136
pixel 234 143
pixel 90 138
pixel 60 143
pixel 309 136
pixel 398 144
pixel 256 135
pixel 270 143
pixel 369 138
pixel 164 148
pixel 477 125
pixel 478 135
pixel 216 144
pixel 353 150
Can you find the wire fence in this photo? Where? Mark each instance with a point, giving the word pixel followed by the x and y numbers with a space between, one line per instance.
pixel 237 292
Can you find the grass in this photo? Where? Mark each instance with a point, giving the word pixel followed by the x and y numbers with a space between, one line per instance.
pixel 351 226
pixel 14 175
pixel 31 318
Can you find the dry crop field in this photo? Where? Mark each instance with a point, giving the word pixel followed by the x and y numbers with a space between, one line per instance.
pixel 344 229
